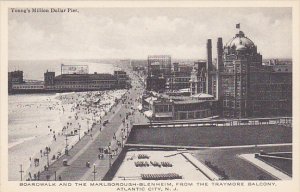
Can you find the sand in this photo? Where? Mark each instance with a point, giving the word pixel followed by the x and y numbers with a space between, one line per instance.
pixel 34 121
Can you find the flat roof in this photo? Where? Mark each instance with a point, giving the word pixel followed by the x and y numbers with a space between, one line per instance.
pixel 97 76
pixel 183 164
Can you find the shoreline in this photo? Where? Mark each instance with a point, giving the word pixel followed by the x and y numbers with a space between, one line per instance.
pixel 72 117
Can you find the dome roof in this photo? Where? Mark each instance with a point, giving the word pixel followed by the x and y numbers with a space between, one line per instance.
pixel 240 41
pixel 240 47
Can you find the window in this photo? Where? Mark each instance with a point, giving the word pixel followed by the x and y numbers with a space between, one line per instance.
pixel 238 104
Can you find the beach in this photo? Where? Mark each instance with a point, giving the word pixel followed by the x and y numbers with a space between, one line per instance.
pixel 55 121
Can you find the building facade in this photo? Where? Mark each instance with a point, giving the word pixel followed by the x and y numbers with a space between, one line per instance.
pixel 246 87
pixel 67 82
pixel 180 77
pixel 165 107
pixel 159 71
pixel 81 82
pixel 159 65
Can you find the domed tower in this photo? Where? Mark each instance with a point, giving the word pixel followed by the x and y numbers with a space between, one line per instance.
pixel 240 44
pixel 242 65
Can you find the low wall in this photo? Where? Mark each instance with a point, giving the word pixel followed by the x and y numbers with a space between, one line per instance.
pixel 210 136
pixel 115 166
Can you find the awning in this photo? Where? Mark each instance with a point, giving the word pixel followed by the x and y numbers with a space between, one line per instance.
pixel 148 113
pixel 163 115
pixel 203 96
pixel 186 90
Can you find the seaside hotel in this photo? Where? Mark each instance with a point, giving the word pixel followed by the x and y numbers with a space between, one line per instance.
pixel 238 84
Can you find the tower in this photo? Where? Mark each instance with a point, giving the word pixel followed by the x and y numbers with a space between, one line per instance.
pixel 194 82
pixel 242 71
pixel 49 78
pixel 202 75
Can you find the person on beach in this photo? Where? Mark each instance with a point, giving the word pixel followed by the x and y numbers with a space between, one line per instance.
pixel 29 176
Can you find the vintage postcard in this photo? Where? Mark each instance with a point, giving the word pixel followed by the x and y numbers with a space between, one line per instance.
pixel 149 96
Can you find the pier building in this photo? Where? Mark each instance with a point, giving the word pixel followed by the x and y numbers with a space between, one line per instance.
pixel 67 82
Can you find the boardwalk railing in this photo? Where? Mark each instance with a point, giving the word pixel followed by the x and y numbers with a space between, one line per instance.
pixel 220 122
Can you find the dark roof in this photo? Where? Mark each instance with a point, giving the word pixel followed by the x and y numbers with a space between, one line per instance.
pixel 190 101
pixel 34 82
pixel 101 76
pixel 282 68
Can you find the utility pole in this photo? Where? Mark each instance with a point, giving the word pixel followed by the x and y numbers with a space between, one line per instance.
pixel 94 172
pixel 122 136
pixel 127 130
pixel 66 141
pixel 21 171
pixel 47 153
pixel 66 149
pixel 79 132
pixel 109 156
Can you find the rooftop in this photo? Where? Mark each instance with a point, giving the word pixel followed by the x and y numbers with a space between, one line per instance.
pixel 240 41
pixel 162 163
pixel 100 76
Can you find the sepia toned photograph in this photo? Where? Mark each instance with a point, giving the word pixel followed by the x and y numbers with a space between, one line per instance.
pixel 154 94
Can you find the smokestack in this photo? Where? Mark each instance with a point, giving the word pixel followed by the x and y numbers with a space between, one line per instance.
pixel 209 68
pixel 209 55
pixel 220 64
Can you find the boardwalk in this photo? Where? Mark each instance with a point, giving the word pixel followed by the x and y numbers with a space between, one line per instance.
pixel 87 149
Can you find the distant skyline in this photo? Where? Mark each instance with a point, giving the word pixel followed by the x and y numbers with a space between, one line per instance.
pixel 99 33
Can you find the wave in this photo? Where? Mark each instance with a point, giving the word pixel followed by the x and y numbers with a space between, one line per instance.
pixel 20 141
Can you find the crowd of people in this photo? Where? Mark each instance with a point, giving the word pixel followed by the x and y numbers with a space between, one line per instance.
pixel 79 112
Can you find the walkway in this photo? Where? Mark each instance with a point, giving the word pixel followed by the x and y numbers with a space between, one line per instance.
pixel 265 167
pixel 87 149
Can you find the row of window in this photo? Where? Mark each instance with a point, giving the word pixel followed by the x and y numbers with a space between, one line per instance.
pixel 193 114
pixel 191 107
pixel 79 86
pixel 163 108
pixel 28 87
pixel 84 82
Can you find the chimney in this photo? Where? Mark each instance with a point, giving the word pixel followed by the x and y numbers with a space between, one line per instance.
pixel 209 55
pixel 220 64
pixel 209 68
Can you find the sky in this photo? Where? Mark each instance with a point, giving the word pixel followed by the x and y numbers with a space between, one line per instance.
pixel 99 33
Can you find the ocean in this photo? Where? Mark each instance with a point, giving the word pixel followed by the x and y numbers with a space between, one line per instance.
pixel 35 69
